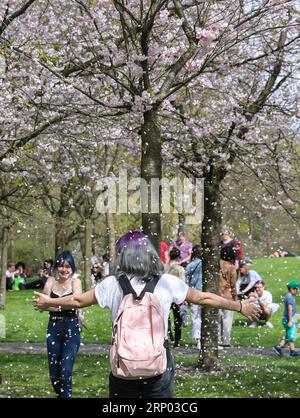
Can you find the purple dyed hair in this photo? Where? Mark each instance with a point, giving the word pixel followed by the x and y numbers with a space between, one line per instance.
pixel 137 257
pixel 134 237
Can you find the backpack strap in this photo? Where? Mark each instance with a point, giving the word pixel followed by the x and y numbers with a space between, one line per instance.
pixel 150 286
pixel 127 288
pixel 196 268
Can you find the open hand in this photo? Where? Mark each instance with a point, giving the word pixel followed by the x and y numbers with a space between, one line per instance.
pixel 41 302
pixel 251 309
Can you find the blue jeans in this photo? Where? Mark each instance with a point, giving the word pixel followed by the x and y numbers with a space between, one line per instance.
pixel 63 341
pixel 154 387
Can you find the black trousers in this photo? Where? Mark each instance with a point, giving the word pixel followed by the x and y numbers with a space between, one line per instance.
pixel 177 322
pixel 9 283
pixel 154 387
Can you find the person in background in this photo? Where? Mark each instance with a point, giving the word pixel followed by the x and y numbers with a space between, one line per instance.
pixel 63 332
pixel 185 248
pixel 164 252
pixel 229 265
pixel 193 274
pixel 46 271
pixel 105 265
pixel 20 276
pixel 288 321
pixel 175 269
pixel 96 274
pixel 21 267
pixel 240 250
pixel 246 283
pixel 265 299
pixel 281 253
pixel 94 259
pixel 140 263
pixel 10 275
pixel 28 272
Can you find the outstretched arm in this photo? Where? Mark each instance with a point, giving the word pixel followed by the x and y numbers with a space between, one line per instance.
pixel 247 308
pixel 43 302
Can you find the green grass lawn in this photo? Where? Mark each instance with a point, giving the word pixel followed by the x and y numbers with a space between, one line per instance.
pixel 245 377
pixel 25 376
pixel 24 324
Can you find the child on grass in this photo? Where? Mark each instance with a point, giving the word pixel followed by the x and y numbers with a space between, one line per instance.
pixel 288 321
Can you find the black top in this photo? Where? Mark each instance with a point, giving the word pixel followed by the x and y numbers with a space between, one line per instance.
pixel 97 276
pixel 230 251
pixel 70 313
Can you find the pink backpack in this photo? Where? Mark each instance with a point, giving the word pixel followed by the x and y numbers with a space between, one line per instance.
pixel 138 348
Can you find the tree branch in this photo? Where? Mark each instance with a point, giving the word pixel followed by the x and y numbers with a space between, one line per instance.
pixel 20 142
pixel 9 18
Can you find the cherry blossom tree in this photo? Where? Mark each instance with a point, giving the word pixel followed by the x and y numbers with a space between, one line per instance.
pixel 234 122
pixel 197 76
pixel 132 57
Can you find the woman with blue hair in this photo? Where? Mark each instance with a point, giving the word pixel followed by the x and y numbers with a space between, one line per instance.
pixel 63 332
pixel 140 264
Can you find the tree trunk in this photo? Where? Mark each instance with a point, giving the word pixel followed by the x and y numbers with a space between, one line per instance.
pixel 61 217
pixel 181 222
pixel 267 237
pixel 87 252
pixel 151 168
pixel 210 237
pixel 111 239
pixel 3 249
pixel 60 235
pixel 11 250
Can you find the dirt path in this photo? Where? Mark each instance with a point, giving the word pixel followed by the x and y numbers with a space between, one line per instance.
pixel 97 349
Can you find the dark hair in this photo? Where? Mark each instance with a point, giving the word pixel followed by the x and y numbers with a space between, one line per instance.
pixel 174 253
pixel 20 263
pixel 138 258
pixel 49 262
pixel 261 282
pixel 62 257
pixel 245 265
pixel 105 257
pixel 196 252
pixel 95 265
